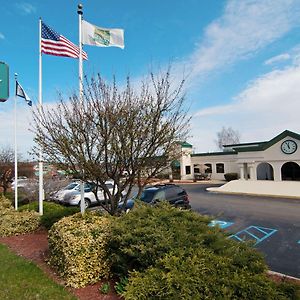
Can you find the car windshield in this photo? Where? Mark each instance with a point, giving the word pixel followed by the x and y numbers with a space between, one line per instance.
pixel 147 195
pixel 71 186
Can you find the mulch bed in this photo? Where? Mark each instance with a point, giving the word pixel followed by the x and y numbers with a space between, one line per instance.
pixel 34 247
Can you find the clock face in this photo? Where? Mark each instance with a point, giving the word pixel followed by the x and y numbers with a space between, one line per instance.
pixel 289 147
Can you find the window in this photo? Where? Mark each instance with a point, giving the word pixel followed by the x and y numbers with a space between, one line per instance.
pixel 196 169
pixel 209 168
pixel 174 192
pixel 160 196
pixel 187 170
pixel 220 168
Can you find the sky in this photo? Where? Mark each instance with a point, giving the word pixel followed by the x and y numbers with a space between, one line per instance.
pixel 242 58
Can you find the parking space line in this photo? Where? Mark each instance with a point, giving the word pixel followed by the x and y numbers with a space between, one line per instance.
pixel 246 232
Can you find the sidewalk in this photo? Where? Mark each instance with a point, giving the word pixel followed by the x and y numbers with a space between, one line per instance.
pixel 287 189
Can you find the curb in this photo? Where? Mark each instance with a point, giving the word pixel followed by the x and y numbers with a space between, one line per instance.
pixel 283 277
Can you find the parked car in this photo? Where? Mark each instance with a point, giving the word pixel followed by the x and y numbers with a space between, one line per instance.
pixel 73 197
pixel 23 182
pixel 60 194
pixel 172 193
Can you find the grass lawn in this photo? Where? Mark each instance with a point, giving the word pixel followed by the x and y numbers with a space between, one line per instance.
pixel 20 279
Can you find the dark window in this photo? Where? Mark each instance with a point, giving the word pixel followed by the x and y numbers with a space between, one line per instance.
pixel 174 192
pixel 110 186
pixel 220 168
pixel 196 170
pixel 209 168
pixel 187 170
pixel 147 195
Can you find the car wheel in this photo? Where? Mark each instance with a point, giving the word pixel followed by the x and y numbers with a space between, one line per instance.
pixel 87 203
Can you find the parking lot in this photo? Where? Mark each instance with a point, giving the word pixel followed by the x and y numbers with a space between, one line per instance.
pixel 273 224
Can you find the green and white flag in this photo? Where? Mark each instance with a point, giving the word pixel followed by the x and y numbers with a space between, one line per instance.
pixel 102 37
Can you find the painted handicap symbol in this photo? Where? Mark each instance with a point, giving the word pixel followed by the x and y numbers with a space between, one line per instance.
pixel 220 223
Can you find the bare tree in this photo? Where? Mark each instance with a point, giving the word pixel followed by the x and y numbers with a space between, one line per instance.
pixel 227 136
pixel 6 167
pixel 115 131
pixel 7 172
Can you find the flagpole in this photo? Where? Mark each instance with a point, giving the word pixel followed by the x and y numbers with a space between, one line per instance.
pixel 41 189
pixel 80 13
pixel 16 147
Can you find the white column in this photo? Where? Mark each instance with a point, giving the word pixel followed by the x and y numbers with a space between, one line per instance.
pixel 242 173
pixel 251 167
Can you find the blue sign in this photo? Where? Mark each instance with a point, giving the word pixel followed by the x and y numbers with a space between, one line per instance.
pixel 253 233
pixel 220 223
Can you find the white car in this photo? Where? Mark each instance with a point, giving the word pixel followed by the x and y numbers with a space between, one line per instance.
pixel 59 195
pixel 73 197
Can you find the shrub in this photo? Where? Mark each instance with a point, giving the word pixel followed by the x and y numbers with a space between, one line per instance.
pixel 172 254
pixel 77 247
pixel 147 233
pixel 52 212
pixel 14 222
pixel 199 274
pixel 230 176
pixel 5 204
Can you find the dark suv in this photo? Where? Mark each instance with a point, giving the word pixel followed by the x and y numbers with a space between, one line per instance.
pixel 172 193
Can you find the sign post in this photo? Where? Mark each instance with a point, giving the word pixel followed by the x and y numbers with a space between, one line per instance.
pixel 4 82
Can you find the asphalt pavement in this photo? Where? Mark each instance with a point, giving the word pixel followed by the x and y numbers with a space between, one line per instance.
pixel 273 224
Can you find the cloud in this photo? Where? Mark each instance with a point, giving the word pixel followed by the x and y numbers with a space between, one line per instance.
pixel 26 8
pixel 278 58
pixel 2 37
pixel 244 28
pixel 24 136
pixel 268 106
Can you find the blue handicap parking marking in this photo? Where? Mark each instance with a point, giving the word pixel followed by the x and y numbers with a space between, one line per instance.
pixel 253 233
pixel 220 223
pixel 298 242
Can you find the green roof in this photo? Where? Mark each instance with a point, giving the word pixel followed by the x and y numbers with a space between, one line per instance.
pixel 249 147
pixel 215 153
pixel 261 146
pixel 185 145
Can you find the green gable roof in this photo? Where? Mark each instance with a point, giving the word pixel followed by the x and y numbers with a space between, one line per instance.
pixel 261 146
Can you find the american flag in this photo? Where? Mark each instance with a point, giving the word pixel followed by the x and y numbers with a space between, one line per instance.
pixel 55 44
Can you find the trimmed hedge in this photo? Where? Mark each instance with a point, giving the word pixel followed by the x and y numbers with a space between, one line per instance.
pixel 77 247
pixel 172 254
pixel 52 212
pixel 230 176
pixel 140 238
pixel 199 274
pixel 14 222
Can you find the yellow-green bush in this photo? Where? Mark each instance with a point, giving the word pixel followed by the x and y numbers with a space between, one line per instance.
pixel 5 204
pixel 77 247
pixel 14 222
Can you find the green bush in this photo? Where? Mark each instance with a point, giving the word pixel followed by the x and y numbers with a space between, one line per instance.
pixel 147 233
pixel 199 274
pixel 52 212
pixel 77 246
pixel 14 222
pixel 22 197
pixel 172 254
pixel 230 176
pixel 5 204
